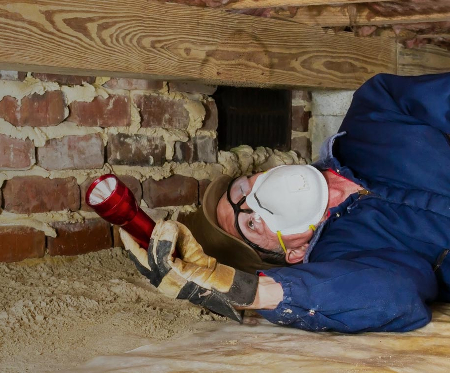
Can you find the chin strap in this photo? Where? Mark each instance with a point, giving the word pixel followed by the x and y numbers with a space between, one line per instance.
pixel 280 240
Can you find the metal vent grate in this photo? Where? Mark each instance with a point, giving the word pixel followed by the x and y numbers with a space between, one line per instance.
pixel 254 116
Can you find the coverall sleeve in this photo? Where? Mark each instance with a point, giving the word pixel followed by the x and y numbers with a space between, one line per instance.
pixel 377 290
pixel 423 98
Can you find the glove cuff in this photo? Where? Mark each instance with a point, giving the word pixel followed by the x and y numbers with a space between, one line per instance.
pixel 242 292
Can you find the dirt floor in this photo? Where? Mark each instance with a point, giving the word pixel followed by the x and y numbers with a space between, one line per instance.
pixel 58 312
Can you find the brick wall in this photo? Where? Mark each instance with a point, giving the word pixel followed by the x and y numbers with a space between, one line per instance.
pixel 58 133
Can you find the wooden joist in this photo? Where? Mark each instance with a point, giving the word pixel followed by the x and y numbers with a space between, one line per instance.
pixel 428 59
pixel 142 39
pixel 355 15
pixel 253 4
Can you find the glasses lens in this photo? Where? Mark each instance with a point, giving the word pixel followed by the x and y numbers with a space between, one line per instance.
pixel 240 188
pixel 250 222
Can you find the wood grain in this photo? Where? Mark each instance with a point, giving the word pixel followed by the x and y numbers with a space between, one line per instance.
pixel 252 4
pixel 356 15
pixel 142 39
pixel 425 60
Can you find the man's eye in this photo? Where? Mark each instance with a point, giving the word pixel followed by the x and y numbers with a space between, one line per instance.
pixel 251 224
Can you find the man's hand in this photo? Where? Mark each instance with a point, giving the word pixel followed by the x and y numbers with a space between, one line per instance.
pixel 193 275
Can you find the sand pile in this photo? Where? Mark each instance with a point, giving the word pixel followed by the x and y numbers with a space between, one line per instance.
pixel 58 312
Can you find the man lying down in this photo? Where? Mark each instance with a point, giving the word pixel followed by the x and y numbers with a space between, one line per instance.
pixel 357 241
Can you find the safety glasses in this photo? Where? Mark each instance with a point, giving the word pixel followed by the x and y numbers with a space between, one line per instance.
pixel 237 192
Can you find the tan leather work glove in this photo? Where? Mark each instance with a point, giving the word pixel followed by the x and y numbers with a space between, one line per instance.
pixel 192 275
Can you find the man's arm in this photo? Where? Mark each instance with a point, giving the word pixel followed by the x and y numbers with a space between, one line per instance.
pixel 379 290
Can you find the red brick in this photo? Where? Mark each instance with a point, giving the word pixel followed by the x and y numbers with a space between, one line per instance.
pixel 80 238
pixel 301 95
pixel 300 119
pixel 192 87
pixel 131 182
pixel 22 75
pixel 202 185
pixel 113 111
pixel 9 110
pixel 211 120
pixel 18 243
pixel 65 79
pixel 31 194
pixel 42 110
pixel 141 84
pixel 205 149
pixel 199 149
pixel 136 150
pixel 34 110
pixel 183 152
pixel 160 111
pixel 176 190
pixel 302 146
pixel 16 154
pixel 72 152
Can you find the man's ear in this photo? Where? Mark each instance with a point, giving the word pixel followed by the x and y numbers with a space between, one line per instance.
pixel 296 255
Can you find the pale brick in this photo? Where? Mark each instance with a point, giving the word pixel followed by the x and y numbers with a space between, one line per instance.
pixel 32 194
pixel 302 95
pixel 136 150
pixel 80 238
pixel 176 190
pixel 160 111
pixel 16 154
pixel 72 152
pixel 18 243
pixel 9 75
pixel 130 84
pixel 113 111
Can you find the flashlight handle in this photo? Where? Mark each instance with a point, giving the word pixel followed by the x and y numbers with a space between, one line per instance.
pixel 140 227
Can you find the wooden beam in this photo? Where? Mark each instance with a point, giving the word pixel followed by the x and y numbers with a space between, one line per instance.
pixel 424 60
pixel 142 39
pixel 252 4
pixel 355 15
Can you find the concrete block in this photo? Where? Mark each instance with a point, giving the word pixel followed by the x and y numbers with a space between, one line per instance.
pixel 331 102
pixel 323 127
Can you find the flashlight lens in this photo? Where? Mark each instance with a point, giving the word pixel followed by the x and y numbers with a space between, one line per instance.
pixel 102 190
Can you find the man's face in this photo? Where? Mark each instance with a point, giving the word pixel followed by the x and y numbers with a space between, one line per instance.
pixel 253 227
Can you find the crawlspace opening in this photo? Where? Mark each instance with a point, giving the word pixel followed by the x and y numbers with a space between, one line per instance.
pixel 254 116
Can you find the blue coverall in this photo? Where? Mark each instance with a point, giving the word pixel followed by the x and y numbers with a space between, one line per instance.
pixel 379 260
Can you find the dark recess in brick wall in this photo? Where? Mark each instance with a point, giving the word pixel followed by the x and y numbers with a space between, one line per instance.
pixel 254 116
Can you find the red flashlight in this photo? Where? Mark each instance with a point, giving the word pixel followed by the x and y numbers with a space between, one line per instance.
pixel 114 202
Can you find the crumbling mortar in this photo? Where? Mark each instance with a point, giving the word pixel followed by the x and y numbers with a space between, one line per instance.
pixel 43 221
pixel 299 102
pixel 295 134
